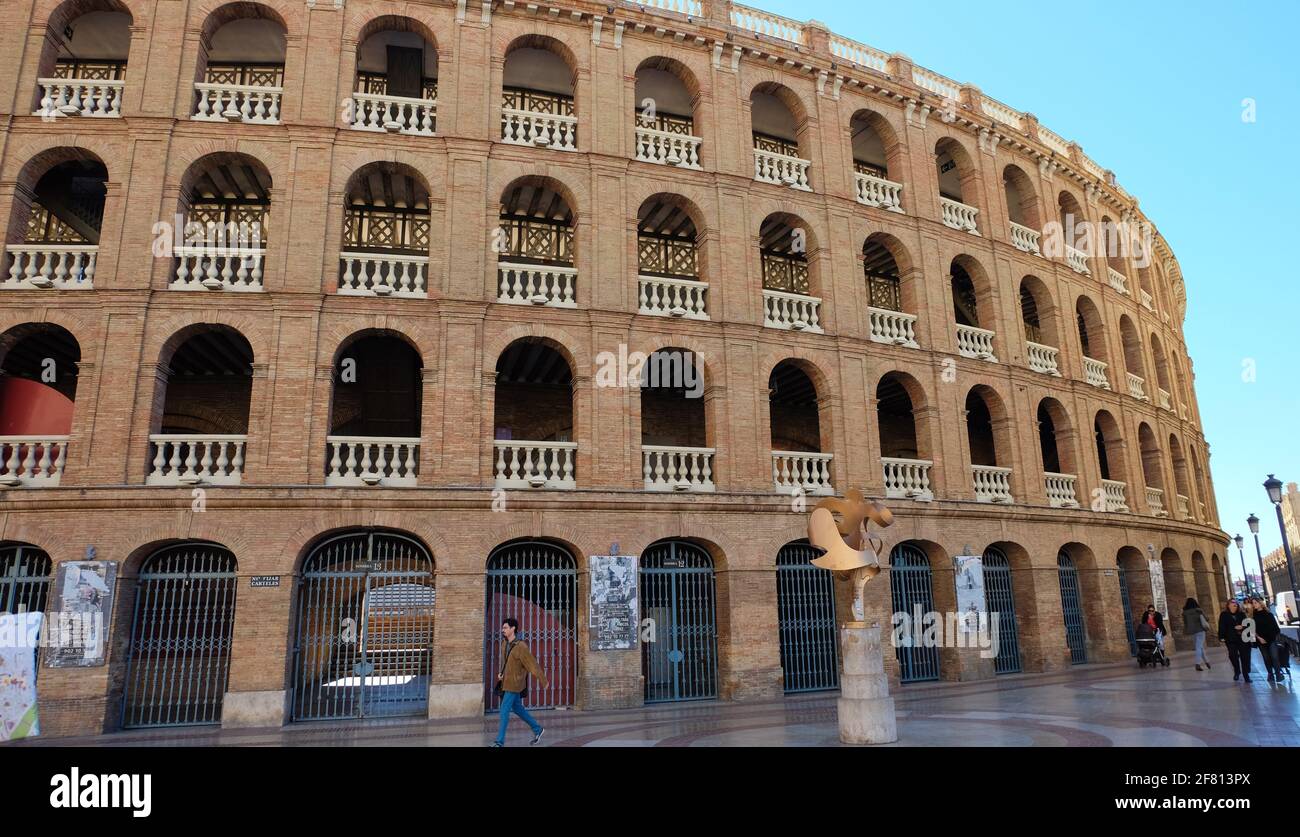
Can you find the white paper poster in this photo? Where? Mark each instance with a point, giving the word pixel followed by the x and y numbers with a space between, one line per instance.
pixel 613 609
pixel 18 643
pixel 970 593
pixel 1157 570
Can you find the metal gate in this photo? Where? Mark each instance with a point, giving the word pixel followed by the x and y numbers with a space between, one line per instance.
pixel 179 656
pixel 805 605
pixel 1072 607
pixel 677 593
pixel 24 578
pixel 363 647
pixel 1001 600
pixel 909 582
pixel 536 583
pixel 1128 611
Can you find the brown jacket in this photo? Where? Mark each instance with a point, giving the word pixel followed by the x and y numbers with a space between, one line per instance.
pixel 517 666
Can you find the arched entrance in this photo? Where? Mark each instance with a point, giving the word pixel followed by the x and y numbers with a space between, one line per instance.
pixel 805 604
pixel 1001 601
pixel 24 578
pixel 679 594
pixel 912 591
pixel 1128 609
pixel 1072 608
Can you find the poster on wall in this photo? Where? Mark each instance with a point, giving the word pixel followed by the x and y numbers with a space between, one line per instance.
pixel 970 593
pixel 18 644
pixel 1157 571
pixel 613 611
pixel 83 600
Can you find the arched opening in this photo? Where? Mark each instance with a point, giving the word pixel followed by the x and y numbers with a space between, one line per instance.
pixel 890 296
pixel 385 249
pixel 911 588
pixel 669 259
pixel 1204 587
pixel 537 95
pixel 363 641
pixel 789 284
pixel 1110 461
pixel 675 440
pixel 200 433
pixel 1220 578
pixel 1092 342
pixel 1146 288
pixel 1152 470
pixel 1072 607
pixel 1175 590
pixel 240 71
pixel 1114 245
pixel 1038 313
pixel 53 234
pixel 38 391
pixel 1000 597
pixel 1056 443
pixel 1181 482
pixel 1162 374
pixel 535 245
pixel 1134 577
pixel 1133 364
pixel 986 432
pixel 809 635
pixel 25 575
pixel 904 446
pixel 875 145
pixel 1022 209
pixel 679 597
pixel 794 411
pixel 226 203
pixel 375 412
pixel 778 122
pixel 1074 233
pixel 82 68
pixel 971 294
pixel 957 179
pixel 533 417
pixel 397 78
pixel 536 583
pixel 666 96
pixel 178 659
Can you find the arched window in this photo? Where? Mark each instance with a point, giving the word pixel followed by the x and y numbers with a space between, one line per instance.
pixel 375 413
pixel 533 417
pixel 385 249
pixel 397 78
pixel 535 245
pixel 666 95
pixel 537 96
pixel 240 73
pixel 83 60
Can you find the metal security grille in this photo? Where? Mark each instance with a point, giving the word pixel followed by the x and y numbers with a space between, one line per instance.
pixel 536 583
pixel 363 647
pixel 1001 601
pixel 909 582
pixel 179 657
pixel 677 593
pixel 24 578
pixel 1072 607
pixel 1128 612
pixel 805 603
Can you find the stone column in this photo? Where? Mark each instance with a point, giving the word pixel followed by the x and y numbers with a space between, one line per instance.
pixel 866 711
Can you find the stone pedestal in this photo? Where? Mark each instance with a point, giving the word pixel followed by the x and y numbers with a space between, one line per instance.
pixel 866 710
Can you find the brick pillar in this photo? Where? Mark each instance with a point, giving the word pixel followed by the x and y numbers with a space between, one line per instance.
pixel 749 653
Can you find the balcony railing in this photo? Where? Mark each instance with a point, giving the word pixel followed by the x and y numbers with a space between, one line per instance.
pixel 764 23
pixel 1117 280
pixel 1023 238
pixel 63 267
pixel 1044 359
pixel 1156 502
pixel 381 274
pixel 975 343
pixel 992 485
pixel 190 460
pixel 958 215
pixel 393 114
pixel 1137 387
pixel 1166 400
pixel 783 170
pixel 1077 260
pixel 663 297
pixel 536 465
pixel 80 97
pixel 1184 507
pixel 667 149
pixel 678 469
pixel 529 284
pixel 879 192
pixel 893 327
pixel 254 104
pixel 544 130
pixel 218 268
pixel 32 461
pixel 693 8
pixel 1115 493
pixel 372 460
pixel 1147 302
pixel 808 472
pixel 792 312
pixel 1094 372
pixel 907 479
pixel 1061 490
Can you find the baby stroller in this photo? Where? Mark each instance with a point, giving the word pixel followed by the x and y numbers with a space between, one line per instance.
pixel 1149 652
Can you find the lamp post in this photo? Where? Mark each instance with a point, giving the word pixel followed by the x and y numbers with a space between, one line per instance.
pixel 1253 523
pixel 1273 486
pixel 1245 577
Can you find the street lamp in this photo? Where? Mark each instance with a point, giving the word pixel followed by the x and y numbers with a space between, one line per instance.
pixel 1253 523
pixel 1245 577
pixel 1273 486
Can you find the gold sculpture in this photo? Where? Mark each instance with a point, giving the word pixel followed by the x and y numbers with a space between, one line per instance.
pixel 850 550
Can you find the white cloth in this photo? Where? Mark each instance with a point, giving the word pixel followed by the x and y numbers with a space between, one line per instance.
pixel 18 643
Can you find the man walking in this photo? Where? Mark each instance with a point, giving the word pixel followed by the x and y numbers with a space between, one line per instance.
pixel 512 683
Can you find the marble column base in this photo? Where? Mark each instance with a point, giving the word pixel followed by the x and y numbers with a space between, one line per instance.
pixel 866 711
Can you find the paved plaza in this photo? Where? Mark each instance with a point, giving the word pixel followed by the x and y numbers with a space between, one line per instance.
pixel 1088 706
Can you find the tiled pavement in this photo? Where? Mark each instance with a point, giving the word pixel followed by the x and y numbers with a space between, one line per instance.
pixel 1089 706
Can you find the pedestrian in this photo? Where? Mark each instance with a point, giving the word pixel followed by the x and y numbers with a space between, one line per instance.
pixel 1230 629
pixel 1266 634
pixel 517 663
pixel 1156 620
pixel 1195 625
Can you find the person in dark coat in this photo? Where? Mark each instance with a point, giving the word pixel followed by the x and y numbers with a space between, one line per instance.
pixel 1266 634
pixel 1156 620
pixel 1195 625
pixel 1230 629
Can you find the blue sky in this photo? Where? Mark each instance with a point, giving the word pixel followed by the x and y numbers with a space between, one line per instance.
pixel 1153 91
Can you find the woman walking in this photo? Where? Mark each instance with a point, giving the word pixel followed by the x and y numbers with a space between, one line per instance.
pixel 1195 625
pixel 1230 629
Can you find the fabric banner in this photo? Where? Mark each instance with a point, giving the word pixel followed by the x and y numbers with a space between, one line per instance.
pixel 613 610
pixel 18 644
pixel 1157 570
pixel 970 593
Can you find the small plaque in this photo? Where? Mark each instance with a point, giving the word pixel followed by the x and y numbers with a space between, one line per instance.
pixel 264 581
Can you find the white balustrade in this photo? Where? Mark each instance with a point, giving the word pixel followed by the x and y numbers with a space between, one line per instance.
pixel 80 97
pixel 32 461
pixel 935 83
pixel 693 8
pixel 907 479
pixel 958 215
pixel 678 469
pixel 372 460
pixel 1147 302
pixel 1115 493
pixel 1166 402
pixel 893 327
pixel 1117 280
pixel 1156 502
pixel 1077 260
pixel 1002 113
pixel 1023 238
pixel 531 284
pixel 253 104
pixel 1094 371
pixel 1184 507
pixel 1184 413
pixel 793 312
pixel 64 267
pixel 536 465
pixel 393 114
pixel 770 167
pixel 685 298
pixel 1043 359
pixel 765 23
pixel 1061 493
pixel 992 485
pixel 218 268
pixel 975 343
pixel 190 460
pixel 879 192
pixel 1054 141
pixel 382 274
pixel 667 149
pixel 544 130
pixel 859 54
pixel 808 472
pixel 1137 387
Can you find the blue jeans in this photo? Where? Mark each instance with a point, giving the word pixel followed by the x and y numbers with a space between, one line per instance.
pixel 511 702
